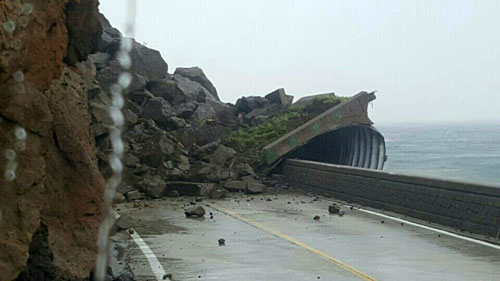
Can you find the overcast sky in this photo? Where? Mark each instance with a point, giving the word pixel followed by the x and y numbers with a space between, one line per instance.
pixel 428 60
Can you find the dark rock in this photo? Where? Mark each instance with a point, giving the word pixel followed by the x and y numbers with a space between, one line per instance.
pixel 167 89
pixel 175 123
pixel 247 104
pixel 83 29
pixel 241 170
pixel 215 153
pixel 196 212
pixel 140 97
pixel 109 33
pixel 197 75
pixel 157 149
pixel 235 186
pixel 203 171
pixel 173 193
pixel 217 193
pixel 146 62
pixel 193 90
pixel 190 188
pixel 134 195
pixel 279 97
pixel 254 187
pixel 195 134
pixel 213 112
pixel 316 218
pixel 333 209
pixel 119 198
pixel 100 60
pixel 125 277
pixel 153 187
pixel 157 109
pixel 40 264
pixel 109 76
pixel 125 222
pixel 222 242
pixel 185 110
pixel 124 188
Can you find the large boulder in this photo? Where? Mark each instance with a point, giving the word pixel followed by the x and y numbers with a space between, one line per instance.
pixel 190 188
pixel 154 187
pixel 109 33
pixel 279 97
pixel 247 104
pixel 215 153
pixel 167 89
pixel 158 110
pixel 208 172
pixel 157 149
pixel 109 76
pixel 145 61
pixel 213 112
pixel 197 75
pixel 192 89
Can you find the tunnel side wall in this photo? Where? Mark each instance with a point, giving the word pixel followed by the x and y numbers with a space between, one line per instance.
pixel 358 146
pixel 460 206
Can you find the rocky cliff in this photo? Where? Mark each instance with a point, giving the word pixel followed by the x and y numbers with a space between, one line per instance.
pixel 57 187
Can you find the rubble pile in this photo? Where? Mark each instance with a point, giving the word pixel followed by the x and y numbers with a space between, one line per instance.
pixel 175 125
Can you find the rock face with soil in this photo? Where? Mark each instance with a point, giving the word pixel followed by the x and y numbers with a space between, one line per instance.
pixel 58 188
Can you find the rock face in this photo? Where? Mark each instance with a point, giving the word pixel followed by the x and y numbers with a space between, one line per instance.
pixel 58 162
pixel 197 75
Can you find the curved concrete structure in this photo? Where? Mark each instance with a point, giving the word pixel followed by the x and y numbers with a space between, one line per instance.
pixel 341 135
pixel 357 146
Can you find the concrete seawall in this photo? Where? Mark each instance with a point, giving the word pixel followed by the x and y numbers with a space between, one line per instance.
pixel 461 206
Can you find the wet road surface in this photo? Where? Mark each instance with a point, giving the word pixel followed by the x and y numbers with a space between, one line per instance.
pixel 280 240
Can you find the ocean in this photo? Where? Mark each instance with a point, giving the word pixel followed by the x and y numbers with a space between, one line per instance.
pixel 465 152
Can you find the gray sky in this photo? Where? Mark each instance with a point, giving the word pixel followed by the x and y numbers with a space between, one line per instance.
pixel 429 60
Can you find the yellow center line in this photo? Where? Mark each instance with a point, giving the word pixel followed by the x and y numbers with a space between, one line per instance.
pixel 292 240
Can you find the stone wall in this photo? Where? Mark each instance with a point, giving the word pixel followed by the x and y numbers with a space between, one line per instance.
pixel 462 206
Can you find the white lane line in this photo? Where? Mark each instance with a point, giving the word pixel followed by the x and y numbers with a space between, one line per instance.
pixel 154 263
pixel 434 229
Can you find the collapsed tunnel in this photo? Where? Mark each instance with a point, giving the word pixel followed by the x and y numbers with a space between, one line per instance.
pixel 342 135
pixel 357 146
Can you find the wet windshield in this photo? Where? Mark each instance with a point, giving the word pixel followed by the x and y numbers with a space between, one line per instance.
pixel 237 140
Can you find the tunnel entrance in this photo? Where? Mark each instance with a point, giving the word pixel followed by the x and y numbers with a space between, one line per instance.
pixel 357 146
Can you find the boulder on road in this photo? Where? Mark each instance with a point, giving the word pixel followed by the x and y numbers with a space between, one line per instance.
pixel 255 187
pixel 195 212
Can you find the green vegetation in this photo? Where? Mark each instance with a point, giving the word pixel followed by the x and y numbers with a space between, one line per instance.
pixel 250 141
pixel 260 135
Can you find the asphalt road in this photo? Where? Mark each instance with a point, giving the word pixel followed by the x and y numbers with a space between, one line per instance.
pixel 280 240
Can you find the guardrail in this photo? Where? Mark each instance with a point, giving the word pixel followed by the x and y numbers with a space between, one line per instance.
pixel 462 206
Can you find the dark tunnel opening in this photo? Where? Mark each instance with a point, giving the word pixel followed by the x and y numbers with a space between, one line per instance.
pixel 356 146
